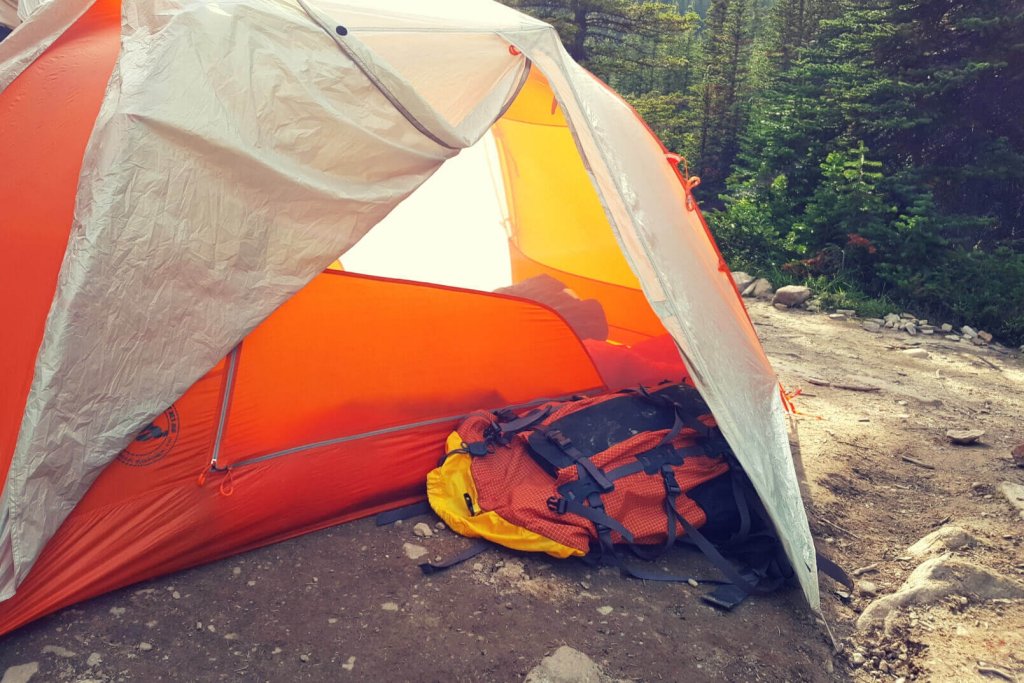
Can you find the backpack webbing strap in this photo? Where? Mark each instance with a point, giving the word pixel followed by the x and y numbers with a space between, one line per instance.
pixel 583 462
pixel 508 428
pixel 594 512
pixel 833 571
pixel 716 558
pixel 392 516
pixel 472 551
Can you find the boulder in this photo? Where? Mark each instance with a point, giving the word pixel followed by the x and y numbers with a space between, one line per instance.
pixel 759 289
pixel 742 280
pixel 937 578
pixel 943 539
pixel 847 311
pixel 871 326
pixel 985 337
pixel 968 331
pixel 791 295
pixel 946 327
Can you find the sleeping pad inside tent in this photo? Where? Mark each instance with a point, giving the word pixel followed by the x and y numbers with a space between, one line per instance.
pixel 331 392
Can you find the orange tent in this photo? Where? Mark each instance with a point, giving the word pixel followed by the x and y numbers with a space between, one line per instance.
pixel 181 377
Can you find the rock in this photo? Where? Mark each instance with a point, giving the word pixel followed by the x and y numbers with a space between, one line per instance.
pixel 858 659
pixel 946 327
pixel 236 571
pixel 349 664
pixel 59 651
pixel 20 673
pixel 985 336
pixel 117 611
pixel 94 660
pixel 781 307
pixel 837 316
pixel 423 530
pixel 566 665
pixel 927 331
pixel 1015 494
pixel 937 578
pixel 911 329
pixel 389 606
pixel 1018 455
pixel 440 526
pixel 952 338
pixel 176 595
pixel 977 341
pixel 908 316
pixel 605 610
pixel 742 280
pixel 916 353
pixel 968 331
pixel 145 647
pixel 891 318
pixel 871 326
pixel 849 312
pixel 791 295
pixel 413 551
pixel 949 537
pixel 867 588
pixel 759 289
pixel 964 437
pixel 303 658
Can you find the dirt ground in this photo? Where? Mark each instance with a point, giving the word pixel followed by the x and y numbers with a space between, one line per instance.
pixel 347 604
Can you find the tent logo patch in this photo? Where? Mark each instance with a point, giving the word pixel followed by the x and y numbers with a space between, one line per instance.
pixel 153 442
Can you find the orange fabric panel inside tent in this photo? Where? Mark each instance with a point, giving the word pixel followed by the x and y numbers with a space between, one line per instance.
pixel 376 353
pixel 412 353
pixel 46 117
pixel 559 226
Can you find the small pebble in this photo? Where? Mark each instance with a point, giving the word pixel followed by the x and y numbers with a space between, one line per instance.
pixel 350 664
pixel 304 658
pixel 605 610
pixel 389 606
pixel 145 647
pixel 176 595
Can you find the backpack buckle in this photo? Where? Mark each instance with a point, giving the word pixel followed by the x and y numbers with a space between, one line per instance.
pixel 556 504
pixel 477 449
pixel 671 484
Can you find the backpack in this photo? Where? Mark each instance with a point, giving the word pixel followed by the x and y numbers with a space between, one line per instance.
pixel 637 469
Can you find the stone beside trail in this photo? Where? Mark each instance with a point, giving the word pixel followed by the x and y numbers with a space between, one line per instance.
pixel 964 437
pixel 942 540
pixel 567 665
pixel 934 580
pixel 791 296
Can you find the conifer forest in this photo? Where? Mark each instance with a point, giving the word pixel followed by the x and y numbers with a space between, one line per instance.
pixel 873 149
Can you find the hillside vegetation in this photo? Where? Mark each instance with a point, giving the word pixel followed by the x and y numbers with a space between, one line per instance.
pixel 875 148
